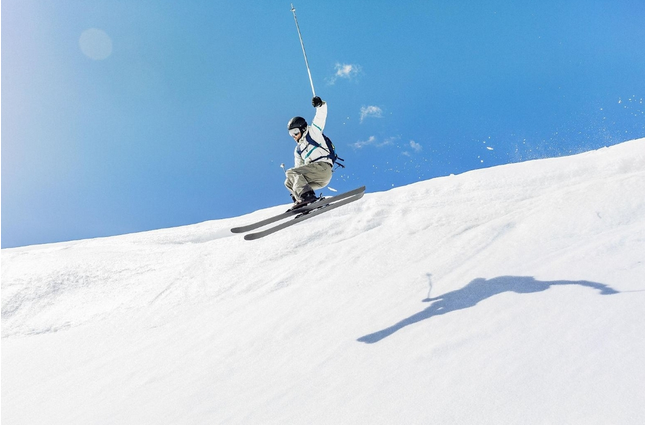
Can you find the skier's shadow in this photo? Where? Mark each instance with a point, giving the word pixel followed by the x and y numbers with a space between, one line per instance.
pixel 476 291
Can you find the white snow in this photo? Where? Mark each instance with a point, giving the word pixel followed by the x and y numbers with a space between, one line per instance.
pixel 508 295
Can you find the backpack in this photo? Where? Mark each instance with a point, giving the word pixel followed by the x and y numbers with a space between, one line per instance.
pixel 332 155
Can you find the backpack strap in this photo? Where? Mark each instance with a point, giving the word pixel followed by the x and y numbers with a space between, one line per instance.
pixel 314 145
pixel 331 155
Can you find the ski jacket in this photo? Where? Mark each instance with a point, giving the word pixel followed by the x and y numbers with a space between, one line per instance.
pixel 312 146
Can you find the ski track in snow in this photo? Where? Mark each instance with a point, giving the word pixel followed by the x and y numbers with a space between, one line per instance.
pixel 510 295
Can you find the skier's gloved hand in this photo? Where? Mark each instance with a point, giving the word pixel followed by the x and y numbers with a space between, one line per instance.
pixel 316 101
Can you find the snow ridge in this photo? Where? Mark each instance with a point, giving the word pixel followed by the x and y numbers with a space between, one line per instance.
pixel 508 295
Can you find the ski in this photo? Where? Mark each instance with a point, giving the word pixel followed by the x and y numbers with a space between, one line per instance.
pixel 290 213
pixel 304 216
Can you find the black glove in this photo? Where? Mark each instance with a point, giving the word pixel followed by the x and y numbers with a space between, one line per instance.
pixel 316 101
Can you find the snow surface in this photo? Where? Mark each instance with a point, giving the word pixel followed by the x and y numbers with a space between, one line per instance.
pixel 508 295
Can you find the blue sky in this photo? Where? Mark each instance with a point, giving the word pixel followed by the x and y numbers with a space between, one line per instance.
pixel 123 116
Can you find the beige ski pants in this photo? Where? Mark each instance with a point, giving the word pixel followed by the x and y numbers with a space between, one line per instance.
pixel 315 175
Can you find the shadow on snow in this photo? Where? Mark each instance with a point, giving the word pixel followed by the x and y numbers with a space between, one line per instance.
pixel 476 291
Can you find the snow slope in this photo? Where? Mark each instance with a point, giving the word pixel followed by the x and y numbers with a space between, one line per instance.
pixel 508 295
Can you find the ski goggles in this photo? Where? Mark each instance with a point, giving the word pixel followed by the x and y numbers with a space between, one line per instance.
pixel 294 131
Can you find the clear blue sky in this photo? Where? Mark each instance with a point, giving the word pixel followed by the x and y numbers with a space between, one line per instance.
pixel 123 116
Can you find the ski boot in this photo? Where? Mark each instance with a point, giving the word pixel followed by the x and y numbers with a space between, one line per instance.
pixel 306 198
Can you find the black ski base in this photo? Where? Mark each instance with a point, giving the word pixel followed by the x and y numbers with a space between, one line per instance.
pixel 300 214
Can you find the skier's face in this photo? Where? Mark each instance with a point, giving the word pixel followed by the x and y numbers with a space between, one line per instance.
pixel 296 134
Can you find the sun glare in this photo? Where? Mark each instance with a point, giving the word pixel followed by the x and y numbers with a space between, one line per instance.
pixel 96 44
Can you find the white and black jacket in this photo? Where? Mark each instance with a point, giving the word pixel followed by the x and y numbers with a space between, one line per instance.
pixel 312 146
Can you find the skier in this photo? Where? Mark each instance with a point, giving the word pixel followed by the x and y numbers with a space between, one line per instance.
pixel 313 168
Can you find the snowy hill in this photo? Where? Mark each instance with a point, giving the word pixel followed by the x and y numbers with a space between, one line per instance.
pixel 509 295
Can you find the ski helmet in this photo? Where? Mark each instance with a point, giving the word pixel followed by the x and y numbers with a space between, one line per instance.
pixel 297 122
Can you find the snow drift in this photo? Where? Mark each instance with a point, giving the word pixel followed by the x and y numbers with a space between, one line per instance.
pixel 507 295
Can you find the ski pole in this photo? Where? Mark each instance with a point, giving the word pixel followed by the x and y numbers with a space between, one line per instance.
pixel 303 48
